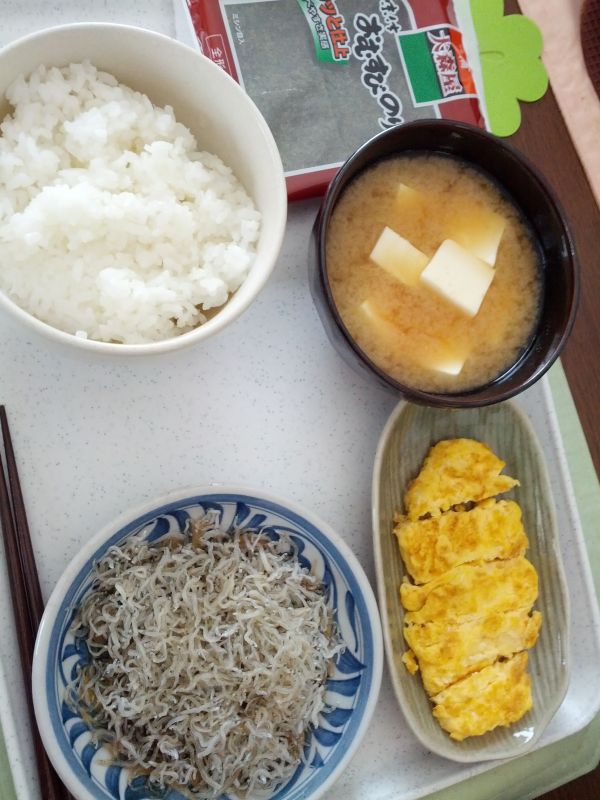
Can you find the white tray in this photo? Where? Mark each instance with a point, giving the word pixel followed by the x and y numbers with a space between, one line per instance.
pixel 268 402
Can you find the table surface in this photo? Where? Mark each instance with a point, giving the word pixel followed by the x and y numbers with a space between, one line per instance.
pixel 544 138
pixel 561 29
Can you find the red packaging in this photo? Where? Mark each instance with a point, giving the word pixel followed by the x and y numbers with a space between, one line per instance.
pixel 329 74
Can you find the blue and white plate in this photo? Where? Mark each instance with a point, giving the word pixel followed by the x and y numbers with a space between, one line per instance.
pixel 89 771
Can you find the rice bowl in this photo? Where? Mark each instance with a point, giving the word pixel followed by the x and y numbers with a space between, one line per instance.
pixel 130 227
pixel 112 224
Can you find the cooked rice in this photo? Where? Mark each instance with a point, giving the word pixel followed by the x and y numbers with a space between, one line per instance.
pixel 112 224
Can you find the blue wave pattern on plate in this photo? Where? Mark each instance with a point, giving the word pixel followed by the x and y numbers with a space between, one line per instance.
pixel 346 688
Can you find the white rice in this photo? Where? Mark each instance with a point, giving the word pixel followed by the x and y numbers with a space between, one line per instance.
pixel 112 225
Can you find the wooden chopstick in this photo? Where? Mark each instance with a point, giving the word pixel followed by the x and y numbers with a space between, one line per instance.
pixel 28 568
pixel 27 601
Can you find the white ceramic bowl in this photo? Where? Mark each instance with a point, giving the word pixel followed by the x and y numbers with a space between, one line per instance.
pixel 352 687
pixel 205 99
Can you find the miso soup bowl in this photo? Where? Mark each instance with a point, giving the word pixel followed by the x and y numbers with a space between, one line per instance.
pixel 523 184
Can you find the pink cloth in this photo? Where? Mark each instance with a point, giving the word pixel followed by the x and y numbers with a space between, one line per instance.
pixel 559 22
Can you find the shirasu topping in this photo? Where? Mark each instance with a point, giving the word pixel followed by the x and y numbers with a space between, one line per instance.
pixel 208 657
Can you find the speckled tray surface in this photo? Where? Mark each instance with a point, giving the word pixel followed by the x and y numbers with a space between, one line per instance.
pixel 266 402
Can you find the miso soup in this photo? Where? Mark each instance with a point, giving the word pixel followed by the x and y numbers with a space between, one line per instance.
pixel 411 332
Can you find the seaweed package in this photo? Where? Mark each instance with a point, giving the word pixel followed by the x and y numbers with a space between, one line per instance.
pixel 329 74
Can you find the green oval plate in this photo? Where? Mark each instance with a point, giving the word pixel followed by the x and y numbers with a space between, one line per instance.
pixel 406 438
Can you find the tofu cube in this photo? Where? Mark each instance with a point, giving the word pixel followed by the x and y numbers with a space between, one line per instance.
pixel 445 356
pixel 398 257
pixel 407 198
pixel 479 231
pixel 449 363
pixel 371 312
pixel 390 335
pixel 458 277
pixel 439 356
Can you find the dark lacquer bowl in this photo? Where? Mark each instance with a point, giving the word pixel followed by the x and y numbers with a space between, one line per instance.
pixel 527 190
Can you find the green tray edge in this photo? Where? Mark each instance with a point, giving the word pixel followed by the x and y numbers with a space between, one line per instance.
pixel 539 772
pixel 543 770
pixel 7 788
